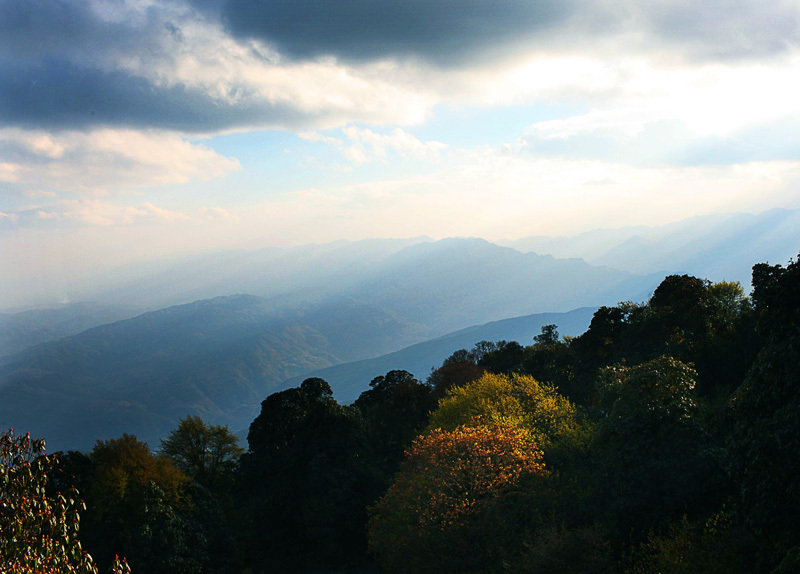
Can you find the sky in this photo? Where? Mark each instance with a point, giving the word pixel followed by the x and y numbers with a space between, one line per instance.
pixel 135 129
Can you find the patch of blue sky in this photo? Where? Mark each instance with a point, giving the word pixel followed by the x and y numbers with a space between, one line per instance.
pixel 470 126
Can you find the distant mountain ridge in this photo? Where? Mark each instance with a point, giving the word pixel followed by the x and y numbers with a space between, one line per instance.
pixel 716 247
pixel 25 329
pixel 348 380
pixel 218 358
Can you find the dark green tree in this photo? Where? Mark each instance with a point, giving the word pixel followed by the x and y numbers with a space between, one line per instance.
pixel 653 456
pixel 395 409
pixel 765 447
pixel 306 482
pixel 505 359
pixel 206 453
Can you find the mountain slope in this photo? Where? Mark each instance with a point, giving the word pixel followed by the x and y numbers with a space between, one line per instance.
pixel 215 358
pixel 218 358
pixel 453 283
pixel 348 380
pixel 445 284
pixel 25 329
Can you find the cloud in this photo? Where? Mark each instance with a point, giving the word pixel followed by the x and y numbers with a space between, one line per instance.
pixel 458 32
pixel 94 212
pixel 500 192
pixel 208 67
pixel 103 159
pixel 703 115
pixel 215 213
pixel 83 65
pixel 441 31
pixel 366 145
pixel 723 29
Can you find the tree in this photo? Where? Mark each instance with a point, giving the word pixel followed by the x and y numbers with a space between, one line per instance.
pixel 653 456
pixel 764 452
pixel 126 481
pixel 124 468
pixel 548 336
pixel 38 533
pixel 395 408
pixel 206 453
pixel 427 521
pixel 509 399
pixel 552 360
pixel 506 358
pixel 306 481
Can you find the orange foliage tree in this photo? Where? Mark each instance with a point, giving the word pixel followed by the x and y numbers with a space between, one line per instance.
pixel 38 533
pixel 429 518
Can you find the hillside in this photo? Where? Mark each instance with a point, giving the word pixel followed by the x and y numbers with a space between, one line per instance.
pixel 215 358
pixel 447 284
pixel 348 380
pixel 218 358
pixel 25 329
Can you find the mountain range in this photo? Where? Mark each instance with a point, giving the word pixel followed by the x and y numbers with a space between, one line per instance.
pixel 717 247
pixel 218 358
pixel 214 334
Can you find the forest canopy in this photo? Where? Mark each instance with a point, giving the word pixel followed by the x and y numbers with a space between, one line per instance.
pixel 665 438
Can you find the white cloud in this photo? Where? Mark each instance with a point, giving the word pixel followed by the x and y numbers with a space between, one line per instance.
pixel 315 137
pixel 215 213
pixel 364 145
pixel 498 193
pixel 10 172
pixel 627 91
pixel 107 159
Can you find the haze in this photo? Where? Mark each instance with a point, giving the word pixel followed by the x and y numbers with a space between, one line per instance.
pixel 138 129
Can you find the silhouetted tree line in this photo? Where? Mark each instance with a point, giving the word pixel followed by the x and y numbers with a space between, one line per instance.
pixel 666 438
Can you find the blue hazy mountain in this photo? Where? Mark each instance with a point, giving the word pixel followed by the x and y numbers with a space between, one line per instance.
pixel 716 247
pixel 215 358
pixel 348 380
pixel 25 329
pixel 218 358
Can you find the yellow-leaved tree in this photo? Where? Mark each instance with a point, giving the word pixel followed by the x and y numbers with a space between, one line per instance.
pixel 428 521
pixel 511 400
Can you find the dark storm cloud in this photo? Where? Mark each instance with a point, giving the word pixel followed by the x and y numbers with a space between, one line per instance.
pixel 441 31
pixel 449 32
pixel 30 29
pixel 60 95
pixel 60 61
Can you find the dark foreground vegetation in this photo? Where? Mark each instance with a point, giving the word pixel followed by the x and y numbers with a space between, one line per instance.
pixel 666 438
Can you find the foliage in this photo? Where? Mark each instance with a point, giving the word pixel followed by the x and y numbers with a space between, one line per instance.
pixel 306 481
pixel 395 408
pixel 690 319
pixel 38 533
pixel 550 359
pixel 206 453
pixel 124 468
pixel 764 449
pixel 126 481
pixel 558 550
pixel 713 547
pixel 509 399
pixel 423 523
pixel 653 457
pixel 453 374
pixel 507 358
